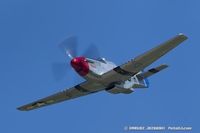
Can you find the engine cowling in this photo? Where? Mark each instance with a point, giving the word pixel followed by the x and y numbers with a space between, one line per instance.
pixel 80 65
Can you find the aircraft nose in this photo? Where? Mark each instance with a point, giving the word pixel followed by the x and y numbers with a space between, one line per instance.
pixel 74 62
pixel 80 64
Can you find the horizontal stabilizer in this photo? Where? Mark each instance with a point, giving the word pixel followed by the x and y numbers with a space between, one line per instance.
pixel 150 72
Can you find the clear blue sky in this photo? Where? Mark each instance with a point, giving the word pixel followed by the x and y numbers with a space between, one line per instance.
pixel 122 29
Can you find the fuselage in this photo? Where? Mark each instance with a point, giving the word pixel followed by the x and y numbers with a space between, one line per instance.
pixel 92 69
pixel 86 66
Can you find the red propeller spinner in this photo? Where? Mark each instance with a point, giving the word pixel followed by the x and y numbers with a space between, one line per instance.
pixel 80 65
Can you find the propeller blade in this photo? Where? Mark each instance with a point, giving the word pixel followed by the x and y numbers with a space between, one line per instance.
pixel 92 52
pixel 69 46
pixel 59 70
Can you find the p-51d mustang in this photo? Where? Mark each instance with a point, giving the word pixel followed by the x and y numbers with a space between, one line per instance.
pixel 101 74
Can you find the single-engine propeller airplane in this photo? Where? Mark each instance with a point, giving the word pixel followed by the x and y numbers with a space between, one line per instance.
pixel 101 74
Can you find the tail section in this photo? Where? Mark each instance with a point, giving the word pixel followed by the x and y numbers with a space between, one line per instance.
pixel 142 76
pixel 138 81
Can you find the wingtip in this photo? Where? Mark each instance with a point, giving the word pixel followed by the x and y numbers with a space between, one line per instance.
pixel 183 36
pixel 20 109
pixel 164 65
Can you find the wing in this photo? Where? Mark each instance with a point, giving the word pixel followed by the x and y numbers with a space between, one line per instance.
pixel 82 89
pixel 132 67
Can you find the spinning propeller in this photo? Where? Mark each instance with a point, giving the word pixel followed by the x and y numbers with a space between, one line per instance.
pixel 69 47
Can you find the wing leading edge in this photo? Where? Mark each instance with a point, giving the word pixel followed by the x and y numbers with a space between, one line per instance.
pixel 82 89
pixel 132 67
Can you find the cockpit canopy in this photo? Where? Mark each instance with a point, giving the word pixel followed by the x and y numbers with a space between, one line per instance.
pixel 102 60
